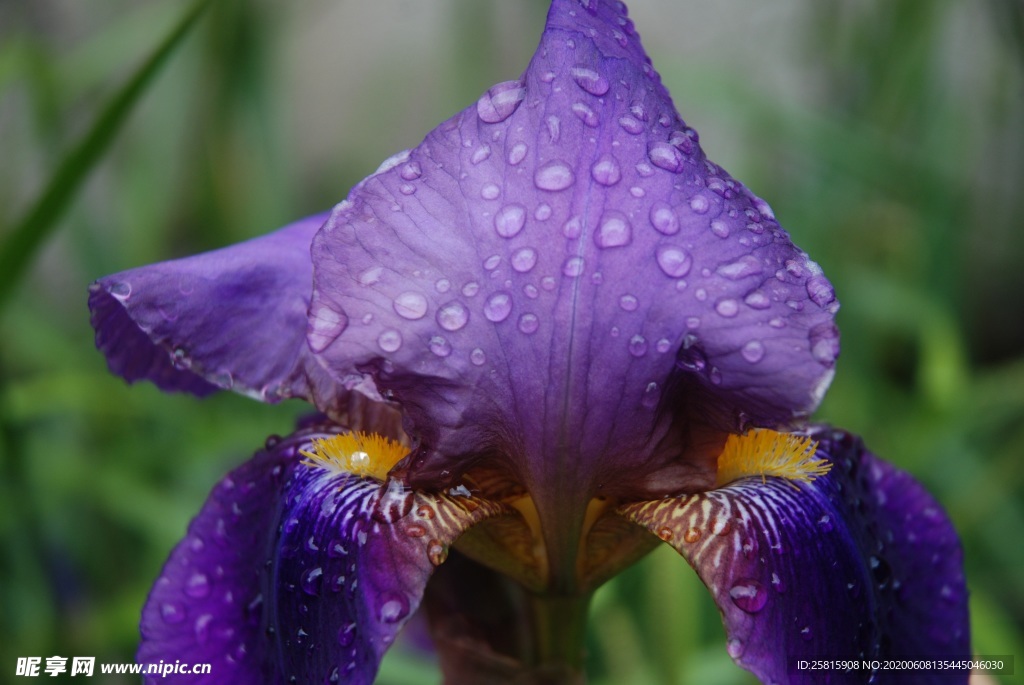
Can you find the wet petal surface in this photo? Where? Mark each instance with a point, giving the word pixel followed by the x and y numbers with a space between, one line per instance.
pixel 294 573
pixel 558 275
pixel 230 319
pixel 859 564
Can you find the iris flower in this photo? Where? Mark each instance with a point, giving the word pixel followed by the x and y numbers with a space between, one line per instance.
pixel 551 337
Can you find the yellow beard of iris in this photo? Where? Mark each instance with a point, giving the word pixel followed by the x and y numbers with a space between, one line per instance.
pixel 367 455
pixel 762 452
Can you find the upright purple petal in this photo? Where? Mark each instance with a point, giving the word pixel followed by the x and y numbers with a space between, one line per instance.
pixel 859 564
pixel 292 573
pixel 558 275
pixel 233 318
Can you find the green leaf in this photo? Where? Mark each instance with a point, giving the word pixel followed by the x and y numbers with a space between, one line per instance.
pixel 30 233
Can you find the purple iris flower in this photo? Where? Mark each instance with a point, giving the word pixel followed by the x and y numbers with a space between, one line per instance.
pixel 550 337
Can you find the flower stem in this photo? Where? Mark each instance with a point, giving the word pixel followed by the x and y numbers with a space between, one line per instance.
pixel 559 631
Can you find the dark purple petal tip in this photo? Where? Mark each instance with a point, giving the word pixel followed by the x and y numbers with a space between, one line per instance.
pixel 292 573
pixel 230 319
pixel 859 564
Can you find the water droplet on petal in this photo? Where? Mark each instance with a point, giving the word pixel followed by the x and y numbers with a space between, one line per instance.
pixel 492 262
pixel 631 125
pixel 498 307
pixel 121 290
pixel 411 171
pixel 824 342
pixel 749 595
pixel 439 346
pixel 500 101
pixel 747 265
pixel 325 325
pixel 477 357
pixel 509 220
pixel 638 346
pixel 543 212
pixel 665 156
pixel 471 289
pixel 664 219
pixel 393 607
pixel 198 585
pixel 490 191
pixel 172 612
pixel 727 308
pixel 628 303
pixel 757 300
pixel 554 125
pixel 674 261
pixel 517 153
pixel 720 228
pixel 590 81
pixel 663 345
pixel 606 171
pixel 410 305
pixel 443 285
pixel 311 581
pixel 452 316
pixel 820 290
pixel 573 267
pixel 524 259
pixel 734 647
pixel 614 230
pixel 407 189
pixel 753 351
pixel 573 228
pixel 699 204
pixel 585 114
pixel 529 323
pixel 554 176
pixel 480 154
pixel 389 340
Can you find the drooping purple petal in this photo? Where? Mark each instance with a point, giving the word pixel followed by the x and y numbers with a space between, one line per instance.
pixel 233 318
pixel 291 573
pixel 558 274
pixel 859 564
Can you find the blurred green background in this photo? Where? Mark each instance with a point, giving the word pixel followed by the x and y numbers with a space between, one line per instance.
pixel 888 135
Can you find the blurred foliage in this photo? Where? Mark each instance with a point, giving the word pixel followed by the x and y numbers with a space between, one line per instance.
pixel 901 173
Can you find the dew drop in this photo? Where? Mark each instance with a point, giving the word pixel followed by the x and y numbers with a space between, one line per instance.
pixel 439 346
pixel 411 171
pixel 734 647
pixel 674 261
pixel 824 342
pixel 749 595
pixel 554 176
pixel 480 154
pixel 757 300
pixel 490 191
pixel 471 289
pixel 651 396
pixel 530 290
pixel 172 612
pixel 753 351
pixel 665 156
pixel 524 259
pixel 663 345
pixel 747 265
pixel 631 125
pixel 498 307
pixel 573 267
pixel 586 114
pixel 509 220
pixel 664 219
pixel 548 283
pixel 720 228
pixel 198 585
pixel 443 285
pixel 529 323
pixel 543 212
pixel 121 290
pixel 453 316
pixel 590 81
pixel 554 125
pixel 407 189
pixel 614 230
pixel 311 581
pixel 628 303
pixel 325 325
pixel 477 357
pixel 393 607
pixel 410 305
pixel 492 262
pixel 699 204
pixel 691 535
pixel 606 171
pixel 820 290
pixel 500 101
pixel 727 308
pixel 638 346
pixel 573 228
pixel 516 153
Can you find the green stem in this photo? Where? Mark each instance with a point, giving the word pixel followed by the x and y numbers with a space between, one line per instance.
pixel 559 630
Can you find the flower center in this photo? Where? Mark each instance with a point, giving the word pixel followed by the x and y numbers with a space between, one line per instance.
pixel 367 455
pixel 763 452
